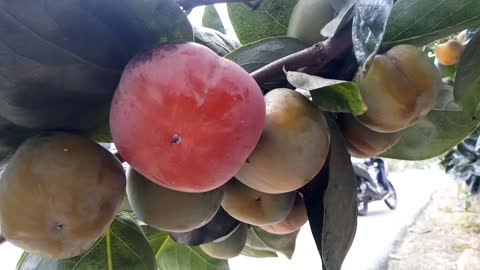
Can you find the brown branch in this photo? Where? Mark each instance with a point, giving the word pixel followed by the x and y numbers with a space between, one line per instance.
pixel 317 55
pixel 189 4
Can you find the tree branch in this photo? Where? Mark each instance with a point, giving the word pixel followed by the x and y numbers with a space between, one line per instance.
pixel 317 55
pixel 189 4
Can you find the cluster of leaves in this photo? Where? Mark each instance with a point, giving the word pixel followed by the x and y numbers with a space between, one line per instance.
pixel 128 245
pixel 463 162
pixel 125 27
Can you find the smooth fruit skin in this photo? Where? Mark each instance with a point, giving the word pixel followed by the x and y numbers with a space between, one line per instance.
pixel 58 194
pixel 254 207
pixel 308 18
pixel 363 142
pixel 293 222
pixel 229 247
pixel 170 210
pixel 293 146
pixel 186 118
pixel 400 88
pixel 449 53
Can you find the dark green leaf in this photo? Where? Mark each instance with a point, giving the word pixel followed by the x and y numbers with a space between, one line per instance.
pixel 443 128
pixel 123 246
pixel 270 19
pixel 258 54
pixel 419 22
pixel 343 18
pixel 221 225
pixel 331 202
pixel 173 256
pixel 263 240
pixel 445 100
pixel 256 253
pixel 212 20
pixel 219 43
pixel 62 60
pixel 330 95
pixel 368 28
pixel 467 81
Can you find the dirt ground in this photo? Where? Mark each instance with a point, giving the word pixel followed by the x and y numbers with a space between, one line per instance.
pixel 440 235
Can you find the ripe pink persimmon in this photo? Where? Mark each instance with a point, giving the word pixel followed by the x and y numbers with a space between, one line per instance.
pixel 186 118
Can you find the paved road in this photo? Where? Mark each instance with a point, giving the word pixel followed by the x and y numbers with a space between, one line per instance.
pixel 376 232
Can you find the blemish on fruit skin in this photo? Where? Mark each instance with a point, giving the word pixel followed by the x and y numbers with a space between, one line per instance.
pixel 176 139
pixel 59 227
pixel 65 150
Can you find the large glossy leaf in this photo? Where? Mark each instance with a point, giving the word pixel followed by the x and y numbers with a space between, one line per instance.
pixel 330 95
pixel 173 256
pixel 331 202
pixel 123 246
pixel 212 20
pixel 258 54
pixel 262 240
pixel 467 80
pixel 343 18
pixel 419 22
pixel 221 225
pixel 368 28
pixel 443 128
pixel 61 60
pixel 220 43
pixel 270 19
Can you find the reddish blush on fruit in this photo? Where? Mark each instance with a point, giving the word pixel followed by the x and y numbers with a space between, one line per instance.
pixel 186 118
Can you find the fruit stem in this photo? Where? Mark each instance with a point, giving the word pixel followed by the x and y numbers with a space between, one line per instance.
pixel 2 239
pixel 317 55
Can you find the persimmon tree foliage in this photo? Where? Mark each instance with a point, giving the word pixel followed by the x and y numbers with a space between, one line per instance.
pixel 228 146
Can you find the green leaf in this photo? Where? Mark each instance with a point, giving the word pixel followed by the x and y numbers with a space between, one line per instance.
pixel 256 253
pixel 419 22
pixel 212 20
pixel 258 54
pixel 262 240
pixel 219 43
pixel 343 18
pixel 123 246
pixel 62 60
pixel 443 128
pixel 330 95
pixel 270 19
pixel 368 28
pixel 331 202
pixel 173 256
pixel 467 81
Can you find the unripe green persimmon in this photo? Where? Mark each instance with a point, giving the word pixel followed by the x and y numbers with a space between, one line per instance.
pixel 363 142
pixel 58 194
pixel 400 88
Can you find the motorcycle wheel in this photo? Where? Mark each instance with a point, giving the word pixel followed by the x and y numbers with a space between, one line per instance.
pixel 391 201
pixel 362 208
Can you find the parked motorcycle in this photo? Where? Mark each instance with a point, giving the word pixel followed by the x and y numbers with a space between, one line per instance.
pixel 373 185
